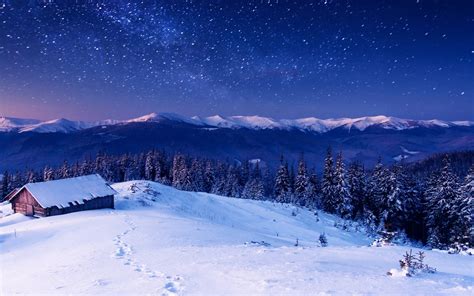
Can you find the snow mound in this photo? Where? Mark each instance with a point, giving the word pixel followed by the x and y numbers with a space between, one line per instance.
pixel 272 220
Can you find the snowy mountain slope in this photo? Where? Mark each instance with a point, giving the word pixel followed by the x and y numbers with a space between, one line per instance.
pixel 310 124
pixel 8 124
pixel 61 125
pixel 163 241
pixel 57 126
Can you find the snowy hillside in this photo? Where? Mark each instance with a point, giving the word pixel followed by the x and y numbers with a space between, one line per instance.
pixel 310 124
pixel 165 241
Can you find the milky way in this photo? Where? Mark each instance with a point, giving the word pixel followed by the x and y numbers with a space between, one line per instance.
pixel 117 59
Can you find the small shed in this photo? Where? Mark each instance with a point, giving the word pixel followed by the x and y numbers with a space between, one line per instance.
pixel 63 196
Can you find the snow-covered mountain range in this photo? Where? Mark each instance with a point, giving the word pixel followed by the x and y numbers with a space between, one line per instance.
pixel 365 139
pixel 310 124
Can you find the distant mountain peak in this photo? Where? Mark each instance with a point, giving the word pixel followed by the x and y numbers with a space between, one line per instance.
pixel 310 124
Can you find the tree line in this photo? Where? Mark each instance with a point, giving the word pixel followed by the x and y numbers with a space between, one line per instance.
pixel 436 210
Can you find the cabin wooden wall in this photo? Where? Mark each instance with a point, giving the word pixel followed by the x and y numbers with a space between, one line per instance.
pixel 24 198
pixel 96 203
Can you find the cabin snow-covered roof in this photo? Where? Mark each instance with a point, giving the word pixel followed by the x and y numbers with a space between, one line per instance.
pixel 61 192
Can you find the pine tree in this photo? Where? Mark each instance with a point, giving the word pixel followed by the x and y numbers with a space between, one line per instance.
pixel 393 204
pixel 343 199
pixel 462 213
pixel 254 189
pixel 180 175
pixel 232 187
pixel 123 168
pixel 413 208
pixel 245 172
pixel 6 187
pixel 209 177
pixel 440 199
pixel 219 184
pixel 356 180
pixel 150 171
pixel 31 177
pixel 64 171
pixel 158 166
pixel 99 164
pixel 302 193
pixel 16 180
pixel 197 176
pixel 378 190
pixel 282 183
pixel 86 168
pixel 328 188
pixel 314 190
pixel 48 174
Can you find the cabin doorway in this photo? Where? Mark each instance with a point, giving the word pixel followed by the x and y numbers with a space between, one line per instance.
pixel 30 211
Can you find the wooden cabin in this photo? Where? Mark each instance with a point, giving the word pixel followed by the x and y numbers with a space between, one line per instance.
pixel 62 196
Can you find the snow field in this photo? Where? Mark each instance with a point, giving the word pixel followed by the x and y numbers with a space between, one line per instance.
pixel 162 241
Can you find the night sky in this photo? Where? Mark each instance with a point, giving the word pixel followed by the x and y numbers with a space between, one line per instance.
pixel 119 59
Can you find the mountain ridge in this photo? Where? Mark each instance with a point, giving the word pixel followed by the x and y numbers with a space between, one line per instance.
pixel 308 124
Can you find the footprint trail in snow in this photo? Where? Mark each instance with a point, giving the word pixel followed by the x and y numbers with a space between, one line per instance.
pixel 124 251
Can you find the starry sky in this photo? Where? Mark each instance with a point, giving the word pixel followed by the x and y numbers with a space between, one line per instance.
pixel 90 60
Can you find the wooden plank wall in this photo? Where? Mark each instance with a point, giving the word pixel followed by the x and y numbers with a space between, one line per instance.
pixel 24 198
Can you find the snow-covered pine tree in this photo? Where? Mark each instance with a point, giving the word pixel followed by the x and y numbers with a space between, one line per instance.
pixel 292 183
pixel 17 180
pixel 110 171
pixel 253 189
pixel 440 199
pixel 219 184
pixel 150 171
pixel 245 173
pixel 48 174
pixel 64 171
pixel 132 172
pixel 302 188
pixel 356 180
pixel 314 190
pixel 6 187
pixel 187 182
pixel 343 202
pixel 123 163
pixel 197 175
pixel 99 164
pixel 378 190
pixel 179 171
pixel 393 204
pixel 462 234
pixel 85 168
pixel 158 166
pixel 282 183
pixel 31 177
pixel 413 208
pixel 232 187
pixel 328 186
pixel 209 177
pixel 268 179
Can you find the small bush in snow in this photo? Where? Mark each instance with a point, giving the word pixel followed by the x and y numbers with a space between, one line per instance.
pixel 385 239
pixel 323 240
pixel 458 248
pixel 411 265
